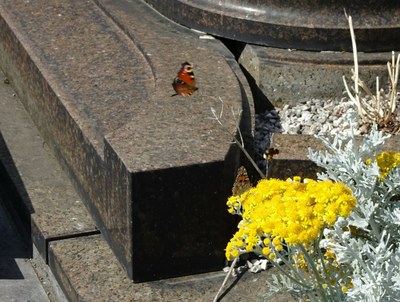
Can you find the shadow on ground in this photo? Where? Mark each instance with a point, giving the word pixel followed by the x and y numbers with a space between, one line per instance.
pixel 15 239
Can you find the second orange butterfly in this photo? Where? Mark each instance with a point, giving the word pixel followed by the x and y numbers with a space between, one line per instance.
pixel 242 182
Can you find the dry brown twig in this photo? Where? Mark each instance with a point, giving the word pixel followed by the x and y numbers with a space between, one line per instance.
pixel 376 108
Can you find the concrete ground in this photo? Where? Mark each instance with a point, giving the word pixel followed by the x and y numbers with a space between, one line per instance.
pixel 23 275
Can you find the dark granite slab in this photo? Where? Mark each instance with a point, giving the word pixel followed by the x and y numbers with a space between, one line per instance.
pixel 153 170
pixel 88 271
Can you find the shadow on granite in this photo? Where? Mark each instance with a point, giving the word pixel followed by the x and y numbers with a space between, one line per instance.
pixel 18 281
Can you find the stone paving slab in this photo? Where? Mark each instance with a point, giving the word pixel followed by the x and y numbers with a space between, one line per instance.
pixel 103 279
pixel 97 84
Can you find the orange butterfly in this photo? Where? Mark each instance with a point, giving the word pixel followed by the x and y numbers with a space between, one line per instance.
pixel 242 182
pixel 184 84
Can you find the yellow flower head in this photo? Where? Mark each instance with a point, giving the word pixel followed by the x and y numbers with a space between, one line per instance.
pixel 277 212
pixel 386 161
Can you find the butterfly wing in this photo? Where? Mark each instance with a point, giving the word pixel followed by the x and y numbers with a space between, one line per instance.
pixel 185 83
pixel 242 182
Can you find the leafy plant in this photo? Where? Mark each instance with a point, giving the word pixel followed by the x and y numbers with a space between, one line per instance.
pixel 366 243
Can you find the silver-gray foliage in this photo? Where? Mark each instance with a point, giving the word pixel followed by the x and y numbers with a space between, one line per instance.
pixel 368 240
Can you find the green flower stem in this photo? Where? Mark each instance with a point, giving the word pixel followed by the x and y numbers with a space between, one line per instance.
pixel 322 258
pixel 332 290
pixel 311 264
pixel 292 268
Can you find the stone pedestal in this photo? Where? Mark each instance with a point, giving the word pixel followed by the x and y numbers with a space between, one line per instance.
pixel 297 49
pixel 298 24
pixel 284 77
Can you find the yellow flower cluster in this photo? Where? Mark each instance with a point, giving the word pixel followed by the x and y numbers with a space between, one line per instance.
pixel 387 161
pixel 291 212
